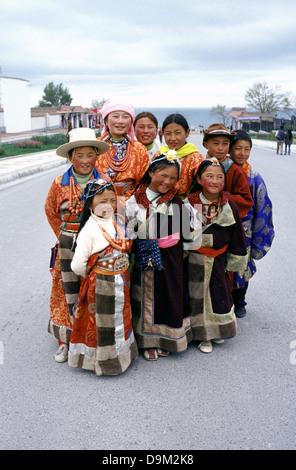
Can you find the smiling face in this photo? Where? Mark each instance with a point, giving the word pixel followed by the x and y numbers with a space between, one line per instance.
pixel 118 123
pixel 212 181
pixel 240 152
pixel 83 160
pixel 218 146
pixel 163 180
pixel 175 135
pixel 145 130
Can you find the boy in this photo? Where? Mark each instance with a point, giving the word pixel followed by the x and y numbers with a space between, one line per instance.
pixel 217 139
pixel 258 223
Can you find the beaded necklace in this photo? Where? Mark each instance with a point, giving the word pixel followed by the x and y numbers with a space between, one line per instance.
pixel 121 244
pixel 75 203
pixel 121 160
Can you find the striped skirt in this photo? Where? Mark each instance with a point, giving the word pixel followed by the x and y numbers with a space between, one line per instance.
pixel 102 339
pixel 65 290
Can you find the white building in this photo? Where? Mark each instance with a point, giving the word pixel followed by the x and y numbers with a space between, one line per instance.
pixel 15 112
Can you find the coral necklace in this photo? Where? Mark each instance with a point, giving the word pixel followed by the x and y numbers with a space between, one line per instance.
pixel 121 164
pixel 75 204
pixel 121 244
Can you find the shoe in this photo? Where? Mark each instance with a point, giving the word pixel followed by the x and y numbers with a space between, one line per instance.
pixel 218 341
pixel 162 352
pixel 62 354
pixel 206 346
pixel 240 311
pixel 150 354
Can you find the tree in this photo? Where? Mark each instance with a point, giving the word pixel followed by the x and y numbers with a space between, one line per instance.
pixel 55 95
pixel 98 103
pixel 264 99
pixel 221 114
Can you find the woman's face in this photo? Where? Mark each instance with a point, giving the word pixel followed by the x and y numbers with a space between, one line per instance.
pixel 175 135
pixel 104 204
pixel 163 180
pixel 212 181
pixel 83 160
pixel 118 123
pixel 145 130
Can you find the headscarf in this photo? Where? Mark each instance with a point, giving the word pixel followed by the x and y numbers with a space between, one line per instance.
pixel 111 106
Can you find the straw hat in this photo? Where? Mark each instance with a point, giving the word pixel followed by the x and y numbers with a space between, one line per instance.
pixel 82 137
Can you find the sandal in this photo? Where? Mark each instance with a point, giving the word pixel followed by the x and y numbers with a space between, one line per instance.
pixel 162 352
pixel 150 354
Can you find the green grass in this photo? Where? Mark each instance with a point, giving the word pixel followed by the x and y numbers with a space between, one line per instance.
pixel 48 143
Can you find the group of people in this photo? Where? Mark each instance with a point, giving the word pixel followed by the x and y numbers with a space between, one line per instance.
pixel 282 138
pixel 156 244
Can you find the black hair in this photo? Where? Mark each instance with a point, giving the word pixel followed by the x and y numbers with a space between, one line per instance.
pixel 86 208
pixel 195 186
pixel 178 119
pixel 157 165
pixel 240 135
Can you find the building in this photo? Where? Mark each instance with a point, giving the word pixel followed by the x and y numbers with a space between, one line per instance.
pixel 15 113
pixel 253 121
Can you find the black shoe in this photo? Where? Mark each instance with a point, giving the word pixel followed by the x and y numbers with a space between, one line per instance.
pixel 240 311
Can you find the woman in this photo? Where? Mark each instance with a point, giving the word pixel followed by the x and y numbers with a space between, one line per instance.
pixel 127 160
pixel 146 126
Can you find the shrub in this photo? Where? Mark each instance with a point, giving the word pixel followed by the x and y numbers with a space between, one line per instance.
pixel 2 151
pixel 54 139
pixel 28 144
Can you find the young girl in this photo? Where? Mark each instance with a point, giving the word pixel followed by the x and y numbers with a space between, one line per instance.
pixel 258 223
pixel 223 248
pixel 158 297
pixel 126 160
pixel 63 208
pixel 146 126
pixel 175 131
pixel 102 339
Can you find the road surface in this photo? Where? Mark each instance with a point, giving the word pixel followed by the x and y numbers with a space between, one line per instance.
pixel 242 396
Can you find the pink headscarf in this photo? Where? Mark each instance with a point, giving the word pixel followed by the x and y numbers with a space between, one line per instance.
pixel 111 106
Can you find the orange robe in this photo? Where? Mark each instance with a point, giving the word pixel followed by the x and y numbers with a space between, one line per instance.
pixel 57 206
pixel 138 165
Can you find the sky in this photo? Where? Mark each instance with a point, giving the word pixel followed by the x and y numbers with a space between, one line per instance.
pixel 157 53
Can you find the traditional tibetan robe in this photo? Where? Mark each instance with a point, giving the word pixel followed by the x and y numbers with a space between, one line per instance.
pixel 125 163
pixel 219 247
pixel 237 186
pixel 190 159
pixel 102 339
pixel 65 283
pixel 158 296
pixel 258 226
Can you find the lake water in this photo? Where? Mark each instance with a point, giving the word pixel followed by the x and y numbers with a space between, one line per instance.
pixel 195 116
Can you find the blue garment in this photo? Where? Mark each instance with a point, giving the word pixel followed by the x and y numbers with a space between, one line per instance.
pixel 67 175
pixel 258 226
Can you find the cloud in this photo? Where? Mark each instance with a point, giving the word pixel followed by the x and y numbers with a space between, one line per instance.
pixel 161 51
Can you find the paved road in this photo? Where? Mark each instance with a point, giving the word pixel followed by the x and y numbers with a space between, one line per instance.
pixel 242 396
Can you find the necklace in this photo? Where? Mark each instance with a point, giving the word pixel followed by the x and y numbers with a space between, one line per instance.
pixel 206 212
pixel 123 161
pixel 121 244
pixel 75 204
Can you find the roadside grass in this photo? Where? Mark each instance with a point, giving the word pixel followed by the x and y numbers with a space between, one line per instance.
pixel 32 145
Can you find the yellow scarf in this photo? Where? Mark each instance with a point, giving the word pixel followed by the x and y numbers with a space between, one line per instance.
pixel 182 152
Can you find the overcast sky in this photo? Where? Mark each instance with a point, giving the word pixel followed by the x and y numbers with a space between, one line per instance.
pixel 154 52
